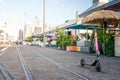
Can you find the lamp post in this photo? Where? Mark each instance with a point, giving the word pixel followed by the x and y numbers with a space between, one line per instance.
pixel 44 12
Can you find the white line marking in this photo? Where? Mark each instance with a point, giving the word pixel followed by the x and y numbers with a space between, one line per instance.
pixel 4 49
pixel 1 51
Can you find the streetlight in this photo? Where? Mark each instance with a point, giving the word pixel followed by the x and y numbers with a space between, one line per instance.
pixel 44 12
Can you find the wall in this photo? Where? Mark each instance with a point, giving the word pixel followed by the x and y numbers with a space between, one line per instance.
pixel 117 45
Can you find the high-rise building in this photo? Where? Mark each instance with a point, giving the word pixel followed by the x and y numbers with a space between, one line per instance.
pixel 36 26
pixel 27 30
pixel 37 30
pixel 3 35
pixel 20 34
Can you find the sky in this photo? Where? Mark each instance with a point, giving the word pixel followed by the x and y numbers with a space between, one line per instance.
pixel 57 12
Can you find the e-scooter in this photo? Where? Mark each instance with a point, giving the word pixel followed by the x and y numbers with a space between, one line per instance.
pixel 96 63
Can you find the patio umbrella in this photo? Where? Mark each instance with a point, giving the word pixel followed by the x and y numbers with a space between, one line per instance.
pixel 102 16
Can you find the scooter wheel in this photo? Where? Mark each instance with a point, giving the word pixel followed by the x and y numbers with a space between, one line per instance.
pixel 98 67
pixel 82 62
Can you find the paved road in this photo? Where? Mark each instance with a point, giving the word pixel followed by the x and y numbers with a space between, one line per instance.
pixel 11 62
pixel 52 64
pixel 1 77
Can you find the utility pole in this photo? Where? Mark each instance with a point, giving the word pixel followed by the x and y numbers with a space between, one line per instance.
pixel 44 16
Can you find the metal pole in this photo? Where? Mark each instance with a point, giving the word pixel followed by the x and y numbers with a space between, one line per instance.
pixel 44 7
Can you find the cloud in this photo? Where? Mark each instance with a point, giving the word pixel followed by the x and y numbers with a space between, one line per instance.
pixel 11 16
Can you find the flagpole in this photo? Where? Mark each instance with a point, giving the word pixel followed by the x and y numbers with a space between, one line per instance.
pixel 44 12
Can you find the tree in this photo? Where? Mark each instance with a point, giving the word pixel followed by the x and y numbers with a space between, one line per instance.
pixel 29 39
pixel 41 38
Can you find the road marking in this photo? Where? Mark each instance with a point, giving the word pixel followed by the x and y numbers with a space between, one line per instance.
pixel 4 49
pixel 1 51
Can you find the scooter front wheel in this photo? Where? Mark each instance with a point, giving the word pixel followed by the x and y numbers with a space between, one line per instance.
pixel 82 62
pixel 98 67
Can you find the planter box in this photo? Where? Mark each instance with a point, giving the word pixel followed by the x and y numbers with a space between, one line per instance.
pixel 73 48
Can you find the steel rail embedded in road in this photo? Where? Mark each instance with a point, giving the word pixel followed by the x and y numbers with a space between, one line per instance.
pixel 5 73
pixel 65 68
pixel 26 70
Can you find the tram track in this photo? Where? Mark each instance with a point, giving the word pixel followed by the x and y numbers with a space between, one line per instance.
pixel 80 76
pixel 27 72
pixel 13 67
pixel 34 63
pixel 66 68
pixel 5 74
pixel 27 69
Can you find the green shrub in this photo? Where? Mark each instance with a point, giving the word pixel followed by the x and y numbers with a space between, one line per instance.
pixel 63 39
pixel 109 48
pixel 106 41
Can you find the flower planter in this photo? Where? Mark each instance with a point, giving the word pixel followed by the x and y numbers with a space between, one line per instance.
pixel 73 48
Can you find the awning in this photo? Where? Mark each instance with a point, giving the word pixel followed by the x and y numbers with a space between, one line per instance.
pixel 81 26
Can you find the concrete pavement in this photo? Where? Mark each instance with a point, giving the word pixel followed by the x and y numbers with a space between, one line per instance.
pixel 51 64
pixel 110 65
